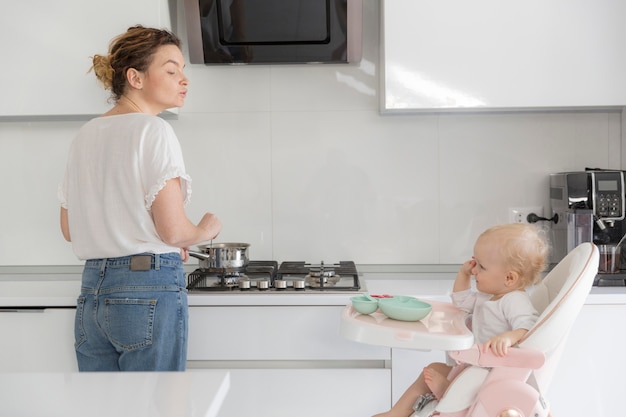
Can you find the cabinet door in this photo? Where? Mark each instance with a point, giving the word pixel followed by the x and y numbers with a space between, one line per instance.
pixel 588 380
pixel 494 55
pixel 273 333
pixel 406 365
pixel 307 392
pixel 46 47
pixel 37 340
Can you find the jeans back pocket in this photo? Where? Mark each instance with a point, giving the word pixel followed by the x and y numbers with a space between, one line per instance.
pixel 129 322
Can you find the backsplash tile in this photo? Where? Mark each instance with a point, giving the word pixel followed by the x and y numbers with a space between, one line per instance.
pixel 353 185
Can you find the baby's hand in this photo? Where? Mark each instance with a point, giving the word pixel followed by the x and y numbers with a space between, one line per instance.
pixel 499 345
pixel 468 266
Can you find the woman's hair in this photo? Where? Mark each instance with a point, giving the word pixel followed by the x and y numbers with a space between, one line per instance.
pixel 132 49
pixel 524 249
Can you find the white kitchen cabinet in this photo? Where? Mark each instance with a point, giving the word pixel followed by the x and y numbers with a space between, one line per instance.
pixel 589 371
pixel 46 49
pixel 493 55
pixel 307 392
pixel 589 378
pixel 289 361
pixel 406 365
pixel 37 340
pixel 274 333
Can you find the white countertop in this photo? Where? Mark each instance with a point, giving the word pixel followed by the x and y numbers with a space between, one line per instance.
pixel 43 289
pixel 120 394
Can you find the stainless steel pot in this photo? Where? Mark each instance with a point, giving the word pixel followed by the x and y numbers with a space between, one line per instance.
pixel 222 255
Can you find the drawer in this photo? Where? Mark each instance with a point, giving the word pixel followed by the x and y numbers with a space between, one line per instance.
pixel 273 333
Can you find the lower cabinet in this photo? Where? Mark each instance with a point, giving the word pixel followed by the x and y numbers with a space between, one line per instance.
pixel 289 361
pixel 37 340
pixel 307 392
pixel 406 367
pixel 589 378
pixel 274 333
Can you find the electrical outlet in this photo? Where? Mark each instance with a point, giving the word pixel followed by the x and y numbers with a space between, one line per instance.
pixel 520 214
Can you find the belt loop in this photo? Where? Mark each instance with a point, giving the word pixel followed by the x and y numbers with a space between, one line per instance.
pixel 103 266
pixel 157 262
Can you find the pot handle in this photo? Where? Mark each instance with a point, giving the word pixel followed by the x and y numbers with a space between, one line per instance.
pixel 200 255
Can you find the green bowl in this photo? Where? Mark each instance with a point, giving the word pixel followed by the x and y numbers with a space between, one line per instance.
pixel 364 304
pixel 404 308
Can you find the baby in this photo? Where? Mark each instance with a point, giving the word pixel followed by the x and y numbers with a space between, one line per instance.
pixel 507 259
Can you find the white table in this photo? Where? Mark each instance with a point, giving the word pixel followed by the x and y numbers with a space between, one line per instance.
pixel 443 329
pixel 119 394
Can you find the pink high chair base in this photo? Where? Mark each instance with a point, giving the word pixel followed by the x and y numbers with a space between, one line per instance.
pixel 512 386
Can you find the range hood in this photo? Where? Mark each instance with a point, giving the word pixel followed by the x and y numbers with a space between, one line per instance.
pixel 274 31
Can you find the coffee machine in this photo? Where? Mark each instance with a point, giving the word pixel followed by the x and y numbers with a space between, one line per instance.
pixel 588 206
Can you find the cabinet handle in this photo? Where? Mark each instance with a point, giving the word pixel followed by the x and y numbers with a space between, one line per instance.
pixel 22 310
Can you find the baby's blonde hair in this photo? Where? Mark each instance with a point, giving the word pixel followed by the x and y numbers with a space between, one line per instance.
pixel 524 249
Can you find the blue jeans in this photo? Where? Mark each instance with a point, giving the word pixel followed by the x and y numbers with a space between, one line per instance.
pixel 132 318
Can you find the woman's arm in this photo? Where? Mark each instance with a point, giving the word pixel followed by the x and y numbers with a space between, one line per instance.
pixel 65 226
pixel 171 222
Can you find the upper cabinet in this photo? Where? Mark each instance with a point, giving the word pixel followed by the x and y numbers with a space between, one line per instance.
pixel 46 50
pixel 458 55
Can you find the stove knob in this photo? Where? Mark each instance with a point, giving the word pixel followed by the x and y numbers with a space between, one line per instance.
pixel 263 284
pixel 280 284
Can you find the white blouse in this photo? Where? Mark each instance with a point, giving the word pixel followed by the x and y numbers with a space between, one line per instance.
pixel 116 167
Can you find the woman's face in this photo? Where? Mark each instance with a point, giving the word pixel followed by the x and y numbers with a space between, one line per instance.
pixel 164 83
pixel 490 270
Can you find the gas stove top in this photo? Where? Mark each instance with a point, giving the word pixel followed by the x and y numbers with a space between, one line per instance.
pixel 269 277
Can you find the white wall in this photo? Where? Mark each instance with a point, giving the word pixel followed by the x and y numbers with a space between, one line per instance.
pixel 298 162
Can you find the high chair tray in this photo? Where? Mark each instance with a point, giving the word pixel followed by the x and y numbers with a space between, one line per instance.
pixel 442 329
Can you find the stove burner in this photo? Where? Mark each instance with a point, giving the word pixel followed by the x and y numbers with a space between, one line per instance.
pixel 341 277
pixel 264 276
pixel 321 280
pixel 321 271
pixel 224 279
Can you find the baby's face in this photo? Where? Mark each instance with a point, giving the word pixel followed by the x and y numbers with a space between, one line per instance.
pixel 490 271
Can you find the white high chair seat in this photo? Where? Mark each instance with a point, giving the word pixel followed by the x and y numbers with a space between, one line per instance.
pixel 492 385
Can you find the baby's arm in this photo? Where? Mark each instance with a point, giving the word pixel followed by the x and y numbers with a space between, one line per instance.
pixel 501 343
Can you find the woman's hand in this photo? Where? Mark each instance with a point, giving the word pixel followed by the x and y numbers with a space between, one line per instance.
pixel 211 224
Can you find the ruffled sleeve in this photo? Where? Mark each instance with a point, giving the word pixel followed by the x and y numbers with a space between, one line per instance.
pixel 162 160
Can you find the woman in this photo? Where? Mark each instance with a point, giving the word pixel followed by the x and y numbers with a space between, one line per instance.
pixel 123 208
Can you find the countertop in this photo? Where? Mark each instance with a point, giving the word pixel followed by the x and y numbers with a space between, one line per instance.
pixel 135 394
pixel 59 286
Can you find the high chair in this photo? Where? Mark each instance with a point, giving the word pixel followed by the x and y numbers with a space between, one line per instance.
pixel 512 386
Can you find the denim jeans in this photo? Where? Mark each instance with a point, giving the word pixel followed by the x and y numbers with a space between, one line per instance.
pixel 132 320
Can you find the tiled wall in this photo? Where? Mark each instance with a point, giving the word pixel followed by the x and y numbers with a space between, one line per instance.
pixel 298 162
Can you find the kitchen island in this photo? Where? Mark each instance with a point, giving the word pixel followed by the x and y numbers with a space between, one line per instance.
pixel 282 350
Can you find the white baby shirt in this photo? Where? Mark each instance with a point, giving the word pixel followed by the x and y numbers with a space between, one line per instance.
pixel 512 311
